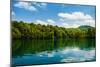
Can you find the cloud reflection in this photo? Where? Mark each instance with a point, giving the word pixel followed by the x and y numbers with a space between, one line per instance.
pixel 70 55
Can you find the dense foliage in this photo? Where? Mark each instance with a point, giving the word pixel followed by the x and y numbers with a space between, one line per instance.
pixel 22 30
pixel 22 47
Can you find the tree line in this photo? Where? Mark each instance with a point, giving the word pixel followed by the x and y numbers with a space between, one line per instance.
pixel 22 30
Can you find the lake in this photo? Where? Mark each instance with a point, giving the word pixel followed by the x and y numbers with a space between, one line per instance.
pixel 34 52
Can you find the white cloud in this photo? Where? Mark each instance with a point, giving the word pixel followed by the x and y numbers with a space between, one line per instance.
pixel 50 21
pixel 77 55
pixel 26 6
pixel 12 13
pixel 47 54
pixel 42 5
pixel 41 22
pixel 47 22
pixel 50 54
pixel 76 18
pixel 90 22
pixel 70 25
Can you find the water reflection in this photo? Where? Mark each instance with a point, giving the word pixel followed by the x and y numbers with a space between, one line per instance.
pixel 26 52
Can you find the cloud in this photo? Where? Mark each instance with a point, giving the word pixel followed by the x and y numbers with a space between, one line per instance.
pixel 41 5
pixel 71 49
pixel 76 18
pixel 75 54
pixel 66 25
pixel 50 21
pixel 41 22
pixel 46 54
pixel 12 13
pixel 47 22
pixel 51 54
pixel 26 6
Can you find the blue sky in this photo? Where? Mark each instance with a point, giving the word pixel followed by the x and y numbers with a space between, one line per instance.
pixel 64 15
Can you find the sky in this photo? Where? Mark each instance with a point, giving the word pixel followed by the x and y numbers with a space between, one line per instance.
pixel 62 15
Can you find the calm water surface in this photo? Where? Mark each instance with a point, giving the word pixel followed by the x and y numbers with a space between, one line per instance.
pixel 33 52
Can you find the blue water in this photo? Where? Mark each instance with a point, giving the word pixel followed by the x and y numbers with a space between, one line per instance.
pixel 66 53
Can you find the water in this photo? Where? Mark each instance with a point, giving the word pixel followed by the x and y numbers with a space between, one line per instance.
pixel 33 52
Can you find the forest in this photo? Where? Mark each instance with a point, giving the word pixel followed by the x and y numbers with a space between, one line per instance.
pixel 23 30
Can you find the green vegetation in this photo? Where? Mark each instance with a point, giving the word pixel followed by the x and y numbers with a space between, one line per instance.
pixel 22 30
pixel 22 47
